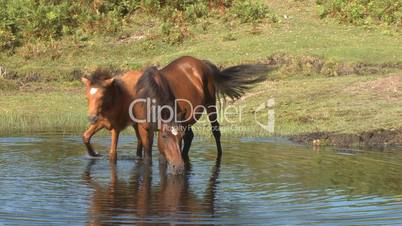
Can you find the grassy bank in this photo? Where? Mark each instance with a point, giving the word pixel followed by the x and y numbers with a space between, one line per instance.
pixel 41 91
pixel 346 104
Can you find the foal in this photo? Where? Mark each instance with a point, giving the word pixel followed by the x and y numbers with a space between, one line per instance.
pixel 109 99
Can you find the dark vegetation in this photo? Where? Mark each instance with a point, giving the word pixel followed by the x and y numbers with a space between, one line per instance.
pixel 27 21
pixel 43 27
pixel 363 12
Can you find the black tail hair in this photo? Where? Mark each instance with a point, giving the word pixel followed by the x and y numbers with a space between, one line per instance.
pixel 235 81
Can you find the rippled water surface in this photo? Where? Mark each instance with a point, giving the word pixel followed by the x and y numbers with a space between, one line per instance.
pixel 47 180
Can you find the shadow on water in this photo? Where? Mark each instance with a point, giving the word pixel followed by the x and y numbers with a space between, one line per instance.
pixel 137 201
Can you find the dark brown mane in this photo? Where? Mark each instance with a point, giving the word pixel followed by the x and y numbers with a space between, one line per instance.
pixel 153 85
pixel 102 74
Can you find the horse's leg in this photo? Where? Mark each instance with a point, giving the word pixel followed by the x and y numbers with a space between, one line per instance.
pixel 113 147
pixel 113 175
pixel 139 142
pixel 146 134
pixel 86 138
pixel 212 115
pixel 188 138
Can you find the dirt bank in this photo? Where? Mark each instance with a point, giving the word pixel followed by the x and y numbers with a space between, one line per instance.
pixel 375 138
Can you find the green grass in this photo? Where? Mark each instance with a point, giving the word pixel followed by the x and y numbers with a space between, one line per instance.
pixel 41 112
pixel 325 104
pixel 303 103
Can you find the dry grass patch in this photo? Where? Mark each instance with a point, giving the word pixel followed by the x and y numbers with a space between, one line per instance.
pixel 389 88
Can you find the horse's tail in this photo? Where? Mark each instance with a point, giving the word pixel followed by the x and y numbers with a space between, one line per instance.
pixel 234 81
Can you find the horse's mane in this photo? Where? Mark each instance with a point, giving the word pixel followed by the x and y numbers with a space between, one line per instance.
pixel 153 85
pixel 101 74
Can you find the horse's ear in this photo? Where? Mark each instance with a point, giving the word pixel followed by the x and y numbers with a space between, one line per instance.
pixel 108 82
pixel 85 81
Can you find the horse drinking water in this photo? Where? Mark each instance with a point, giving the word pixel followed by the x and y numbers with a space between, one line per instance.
pixel 194 84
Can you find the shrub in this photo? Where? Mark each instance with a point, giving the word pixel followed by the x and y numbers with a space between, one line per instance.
pixel 179 15
pixel 363 11
pixel 247 11
pixel 25 21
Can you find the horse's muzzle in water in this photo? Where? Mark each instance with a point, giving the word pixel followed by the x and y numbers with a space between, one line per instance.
pixel 175 169
pixel 93 119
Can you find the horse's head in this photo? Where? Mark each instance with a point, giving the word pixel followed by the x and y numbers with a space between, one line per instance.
pixel 169 140
pixel 99 92
pixel 153 85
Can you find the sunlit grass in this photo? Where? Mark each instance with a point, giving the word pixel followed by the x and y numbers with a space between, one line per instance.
pixel 41 112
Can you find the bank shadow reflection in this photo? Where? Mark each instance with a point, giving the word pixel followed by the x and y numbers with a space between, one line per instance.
pixel 140 200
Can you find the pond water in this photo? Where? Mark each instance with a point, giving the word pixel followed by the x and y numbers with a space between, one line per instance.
pixel 47 180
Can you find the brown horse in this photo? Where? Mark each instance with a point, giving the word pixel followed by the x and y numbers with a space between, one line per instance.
pixel 109 99
pixel 196 84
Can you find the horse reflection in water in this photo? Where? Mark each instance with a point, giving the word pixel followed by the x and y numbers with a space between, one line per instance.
pixel 137 201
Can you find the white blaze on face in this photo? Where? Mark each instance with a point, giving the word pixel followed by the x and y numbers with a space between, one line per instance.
pixel 92 91
pixel 174 131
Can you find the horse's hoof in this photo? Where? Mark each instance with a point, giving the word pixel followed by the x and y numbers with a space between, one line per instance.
pixel 138 157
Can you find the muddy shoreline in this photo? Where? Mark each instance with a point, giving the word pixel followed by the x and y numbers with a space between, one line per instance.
pixel 379 138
